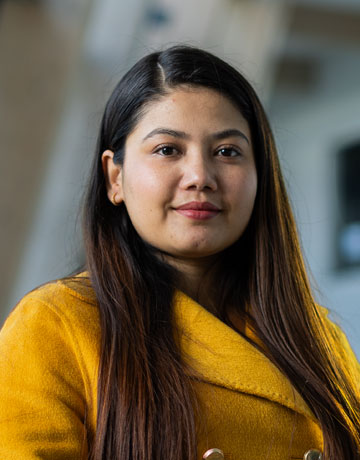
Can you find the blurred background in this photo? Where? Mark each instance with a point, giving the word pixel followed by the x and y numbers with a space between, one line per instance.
pixel 60 60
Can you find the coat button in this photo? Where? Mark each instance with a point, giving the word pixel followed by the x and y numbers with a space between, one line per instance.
pixel 313 454
pixel 214 454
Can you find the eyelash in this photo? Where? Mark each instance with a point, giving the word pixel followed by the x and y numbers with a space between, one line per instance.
pixel 166 146
pixel 229 148
pixel 175 150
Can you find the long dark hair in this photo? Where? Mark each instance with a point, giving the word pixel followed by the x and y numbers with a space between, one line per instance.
pixel 145 400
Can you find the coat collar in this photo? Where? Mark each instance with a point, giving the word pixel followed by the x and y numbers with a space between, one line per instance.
pixel 225 358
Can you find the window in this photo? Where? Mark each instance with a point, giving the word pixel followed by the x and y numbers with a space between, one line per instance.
pixel 349 199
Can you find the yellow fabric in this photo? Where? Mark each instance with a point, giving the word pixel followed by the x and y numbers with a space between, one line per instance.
pixel 49 352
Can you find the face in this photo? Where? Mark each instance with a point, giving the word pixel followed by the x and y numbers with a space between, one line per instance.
pixel 189 179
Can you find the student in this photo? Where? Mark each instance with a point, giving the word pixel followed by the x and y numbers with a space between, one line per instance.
pixel 192 332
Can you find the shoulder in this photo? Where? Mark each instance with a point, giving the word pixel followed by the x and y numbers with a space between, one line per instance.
pixel 57 321
pixel 70 302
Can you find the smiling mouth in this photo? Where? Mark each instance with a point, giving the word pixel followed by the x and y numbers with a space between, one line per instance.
pixel 198 210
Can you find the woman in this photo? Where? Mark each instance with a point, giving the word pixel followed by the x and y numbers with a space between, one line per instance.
pixel 193 332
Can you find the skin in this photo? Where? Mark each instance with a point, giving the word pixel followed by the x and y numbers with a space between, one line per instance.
pixel 192 145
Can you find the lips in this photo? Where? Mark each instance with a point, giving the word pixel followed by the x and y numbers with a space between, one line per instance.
pixel 199 206
pixel 198 210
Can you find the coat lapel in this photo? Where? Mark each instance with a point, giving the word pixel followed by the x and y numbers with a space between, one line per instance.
pixel 225 358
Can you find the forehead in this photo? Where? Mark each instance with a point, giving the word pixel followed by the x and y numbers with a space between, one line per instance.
pixel 191 108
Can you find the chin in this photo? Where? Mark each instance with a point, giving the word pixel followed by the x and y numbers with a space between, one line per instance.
pixel 195 252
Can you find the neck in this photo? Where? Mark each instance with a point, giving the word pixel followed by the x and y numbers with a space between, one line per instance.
pixel 195 278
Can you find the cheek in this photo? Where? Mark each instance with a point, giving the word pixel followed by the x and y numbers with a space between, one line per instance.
pixel 243 190
pixel 252 189
pixel 147 191
pixel 139 184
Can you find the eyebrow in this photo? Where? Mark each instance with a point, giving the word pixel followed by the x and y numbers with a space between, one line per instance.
pixel 230 133
pixel 182 135
pixel 170 132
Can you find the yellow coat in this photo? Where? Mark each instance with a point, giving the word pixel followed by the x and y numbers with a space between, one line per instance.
pixel 49 352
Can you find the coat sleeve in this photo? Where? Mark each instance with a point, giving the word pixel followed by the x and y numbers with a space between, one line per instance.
pixel 42 396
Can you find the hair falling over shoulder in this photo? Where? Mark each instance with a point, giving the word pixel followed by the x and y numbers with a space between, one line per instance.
pixel 145 400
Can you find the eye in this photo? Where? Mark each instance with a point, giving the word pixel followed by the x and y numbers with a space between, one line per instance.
pixel 228 152
pixel 167 150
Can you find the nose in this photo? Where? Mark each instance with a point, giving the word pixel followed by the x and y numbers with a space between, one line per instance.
pixel 198 173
